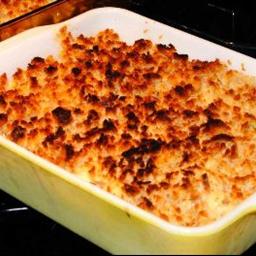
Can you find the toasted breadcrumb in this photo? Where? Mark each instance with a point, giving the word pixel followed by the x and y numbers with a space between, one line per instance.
pixel 174 136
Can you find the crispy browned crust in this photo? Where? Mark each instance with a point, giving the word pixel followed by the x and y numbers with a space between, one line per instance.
pixel 168 134
pixel 10 9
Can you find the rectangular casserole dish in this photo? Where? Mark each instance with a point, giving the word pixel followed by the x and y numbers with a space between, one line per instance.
pixel 57 11
pixel 104 219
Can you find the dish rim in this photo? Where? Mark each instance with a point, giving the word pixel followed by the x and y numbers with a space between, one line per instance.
pixel 245 208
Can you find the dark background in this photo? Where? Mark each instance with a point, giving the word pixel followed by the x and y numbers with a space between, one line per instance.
pixel 24 231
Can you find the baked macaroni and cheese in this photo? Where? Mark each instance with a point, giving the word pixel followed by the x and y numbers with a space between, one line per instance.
pixel 174 136
pixel 10 9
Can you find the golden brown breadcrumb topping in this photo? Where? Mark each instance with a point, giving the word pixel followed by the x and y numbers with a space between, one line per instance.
pixel 10 9
pixel 174 136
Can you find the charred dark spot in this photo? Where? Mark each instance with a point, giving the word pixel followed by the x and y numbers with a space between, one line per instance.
pixel 143 183
pixel 133 190
pixel 18 133
pixel 232 152
pixel 125 64
pixel 140 172
pixel 89 52
pixel 211 109
pixel 141 43
pixel 194 131
pixel 144 130
pixel 151 145
pixel 122 98
pixel 185 157
pixel 108 125
pixel 206 182
pixel 171 46
pixel 112 74
pixel 82 92
pixel 70 152
pixel 175 143
pixel 126 136
pixel 129 153
pixel 33 133
pixel 208 113
pixel 147 58
pixel 162 115
pixel 140 161
pixel 93 132
pixel 161 47
pixel 224 137
pixel 164 185
pixel 133 55
pixel 34 81
pixel 110 165
pixel 96 48
pixel 169 176
pixel 150 105
pixel 103 140
pixel 78 111
pixel 78 47
pixel 54 136
pixel 146 146
pixel 194 140
pixel 150 76
pixel 125 172
pixel 62 115
pixel 50 70
pixel 148 203
pixel 90 98
pixel 152 188
pixel 197 67
pixel 92 116
pixel 182 57
pixel 116 50
pixel 189 113
pixel 248 115
pixel 138 98
pixel 3 118
pixel 111 109
pixel 180 90
pixel 38 60
pixel 213 123
pixel 77 137
pixel 108 102
pixel 34 119
pixel 60 132
pixel 132 117
pixel 150 166
pixel 49 139
pixel 76 71
pixel 188 172
pixel 186 182
pixel 2 100
pixel 128 108
pixel 183 91
pixel 89 64
pixel 108 162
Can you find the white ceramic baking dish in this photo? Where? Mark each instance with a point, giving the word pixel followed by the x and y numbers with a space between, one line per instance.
pixel 109 222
